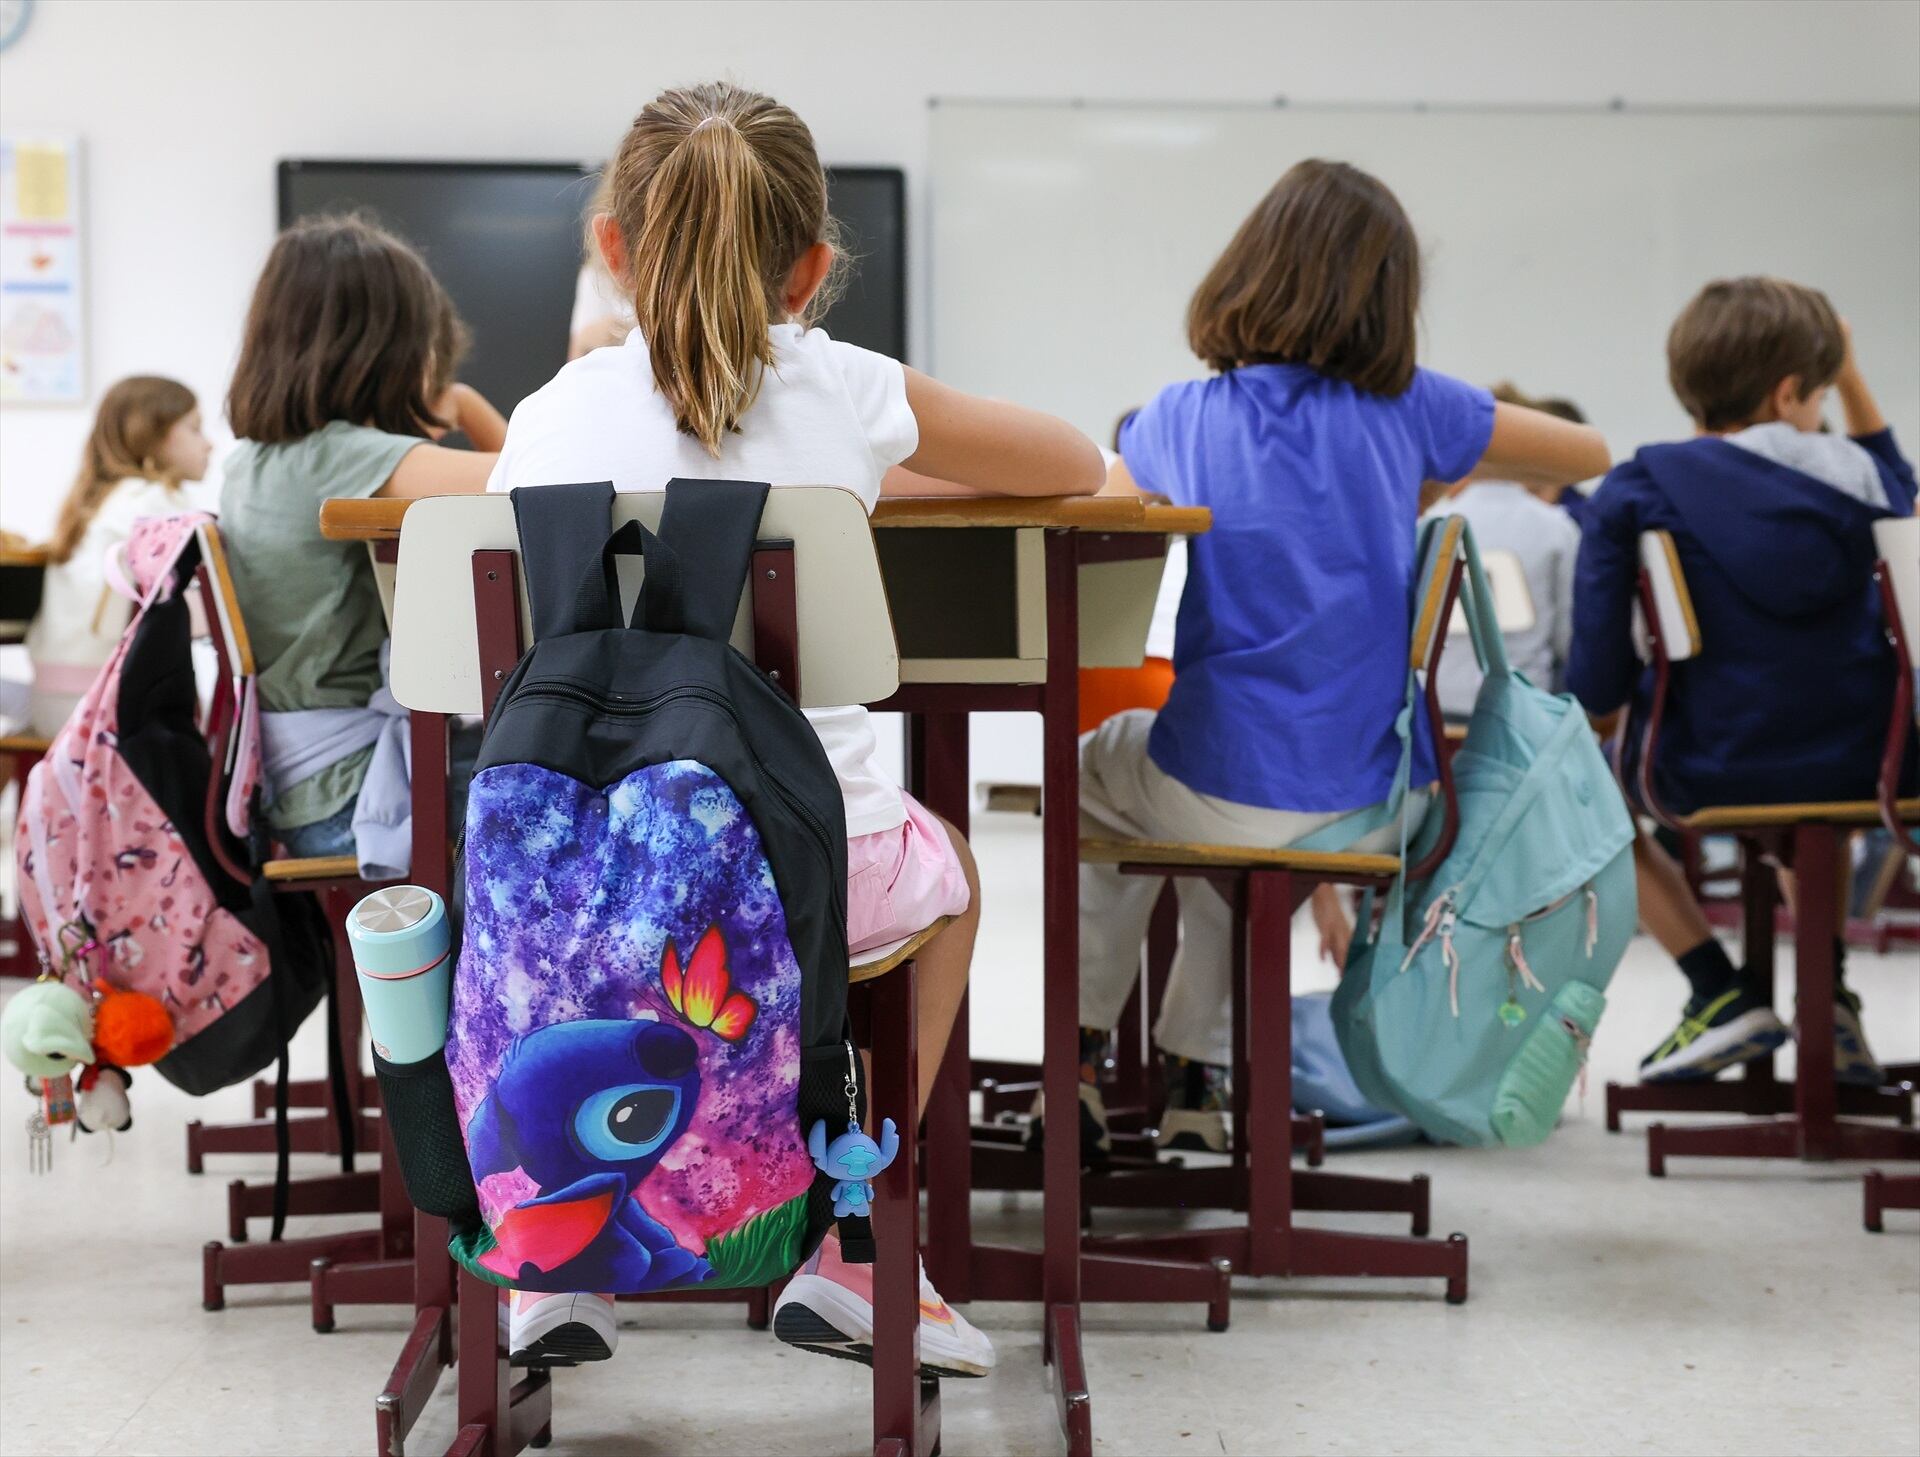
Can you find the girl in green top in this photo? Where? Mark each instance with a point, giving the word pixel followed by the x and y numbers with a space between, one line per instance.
pixel 343 386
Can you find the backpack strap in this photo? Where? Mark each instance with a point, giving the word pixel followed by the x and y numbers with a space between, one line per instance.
pixel 562 529
pixel 711 526
pixel 1483 620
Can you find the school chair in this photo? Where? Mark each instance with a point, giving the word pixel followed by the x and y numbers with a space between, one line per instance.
pixel 22 574
pixel 814 616
pixel 1264 888
pixel 342 1123
pixel 1809 837
pixel 18 754
pixel 1899 573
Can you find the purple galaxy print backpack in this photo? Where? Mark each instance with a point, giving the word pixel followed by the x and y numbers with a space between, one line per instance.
pixel 649 1009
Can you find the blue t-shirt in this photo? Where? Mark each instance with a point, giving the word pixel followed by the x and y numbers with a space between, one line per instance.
pixel 1290 656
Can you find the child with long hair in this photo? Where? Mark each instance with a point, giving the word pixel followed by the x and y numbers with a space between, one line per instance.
pixel 1309 443
pixel 342 388
pixel 716 226
pixel 146 442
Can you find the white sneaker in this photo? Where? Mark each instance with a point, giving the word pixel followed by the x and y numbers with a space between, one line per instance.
pixel 1192 1130
pixel 560 1330
pixel 827 1308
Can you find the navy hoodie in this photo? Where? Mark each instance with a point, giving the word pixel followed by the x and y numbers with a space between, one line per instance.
pixel 1790 697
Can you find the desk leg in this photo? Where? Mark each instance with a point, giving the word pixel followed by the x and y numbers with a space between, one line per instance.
pixel 1060 880
pixel 937 769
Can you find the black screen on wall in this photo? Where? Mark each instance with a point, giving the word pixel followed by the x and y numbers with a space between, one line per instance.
pixel 505 240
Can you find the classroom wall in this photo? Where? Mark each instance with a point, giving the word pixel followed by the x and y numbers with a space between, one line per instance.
pixel 186 107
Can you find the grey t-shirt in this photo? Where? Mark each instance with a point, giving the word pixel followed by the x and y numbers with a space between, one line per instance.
pixel 1507 517
pixel 310 605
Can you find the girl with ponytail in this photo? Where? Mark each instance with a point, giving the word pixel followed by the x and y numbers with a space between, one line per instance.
pixel 714 222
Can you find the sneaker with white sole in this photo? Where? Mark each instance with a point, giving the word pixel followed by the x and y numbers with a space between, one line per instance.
pixel 1192 1130
pixel 560 1330
pixel 827 1308
pixel 1096 1139
pixel 1198 1097
pixel 1853 1060
pixel 1734 1027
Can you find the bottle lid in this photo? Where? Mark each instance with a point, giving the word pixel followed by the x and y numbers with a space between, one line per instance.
pixel 396 908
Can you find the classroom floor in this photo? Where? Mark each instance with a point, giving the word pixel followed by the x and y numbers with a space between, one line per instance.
pixel 1734 1307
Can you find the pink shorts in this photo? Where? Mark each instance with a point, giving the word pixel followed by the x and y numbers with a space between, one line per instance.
pixel 899 882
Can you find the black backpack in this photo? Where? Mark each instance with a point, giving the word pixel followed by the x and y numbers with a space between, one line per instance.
pixel 649 1011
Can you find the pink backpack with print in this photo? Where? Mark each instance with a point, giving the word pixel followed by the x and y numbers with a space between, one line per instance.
pixel 136 870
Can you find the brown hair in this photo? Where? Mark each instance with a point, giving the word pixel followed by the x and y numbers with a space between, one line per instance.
pixel 343 326
pixel 451 341
pixel 1324 272
pixel 717 192
pixel 1508 393
pixel 132 424
pixel 1740 337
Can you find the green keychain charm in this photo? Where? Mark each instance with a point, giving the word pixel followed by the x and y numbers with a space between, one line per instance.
pixel 1511 1012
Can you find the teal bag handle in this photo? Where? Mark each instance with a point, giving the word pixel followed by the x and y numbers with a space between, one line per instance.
pixel 1483 620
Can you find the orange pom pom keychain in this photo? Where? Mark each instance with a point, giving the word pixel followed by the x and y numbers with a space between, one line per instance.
pixel 130 1029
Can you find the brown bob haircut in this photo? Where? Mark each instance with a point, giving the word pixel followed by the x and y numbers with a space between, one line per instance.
pixel 1509 393
pixel 1324 272
pixel 344 325
pixel 1740 337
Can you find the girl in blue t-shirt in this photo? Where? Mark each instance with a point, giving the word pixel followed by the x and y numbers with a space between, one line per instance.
pixel 1310 443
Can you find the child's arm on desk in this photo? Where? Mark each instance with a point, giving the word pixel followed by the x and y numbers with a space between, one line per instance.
pixel 975 447
pixel 436 470
pixel 1542 452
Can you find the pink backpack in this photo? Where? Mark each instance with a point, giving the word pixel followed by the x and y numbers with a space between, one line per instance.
pixel 136 870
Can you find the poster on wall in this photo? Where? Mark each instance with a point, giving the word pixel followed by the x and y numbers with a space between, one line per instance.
pixel 42 334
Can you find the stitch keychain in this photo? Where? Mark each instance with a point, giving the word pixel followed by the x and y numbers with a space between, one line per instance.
pixel 853 1158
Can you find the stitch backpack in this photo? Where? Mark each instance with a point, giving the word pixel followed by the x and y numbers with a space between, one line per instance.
pixel 132 872
pixel 649 1009
pixel 1471 1007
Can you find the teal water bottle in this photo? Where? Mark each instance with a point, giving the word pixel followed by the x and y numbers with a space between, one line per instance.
pixel 401 942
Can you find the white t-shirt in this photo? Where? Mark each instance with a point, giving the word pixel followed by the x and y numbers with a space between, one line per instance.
pixel 81 618
pixel 827 413
pixel 595 297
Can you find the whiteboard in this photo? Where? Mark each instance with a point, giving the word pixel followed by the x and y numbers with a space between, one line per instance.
pixel 1558 245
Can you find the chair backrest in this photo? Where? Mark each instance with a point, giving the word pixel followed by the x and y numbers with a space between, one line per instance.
pixel 1437 578
pixel 1664 601
pixel 1437 574
pixel 847 653
pixel 1513 605
pixel 1897 540
pixel 232 643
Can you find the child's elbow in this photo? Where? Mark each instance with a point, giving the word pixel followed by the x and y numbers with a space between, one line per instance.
pixel 1594 459
pixel 1084 468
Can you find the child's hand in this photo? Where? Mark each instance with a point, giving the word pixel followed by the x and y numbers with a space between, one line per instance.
pixel 1336 931
pixel 446 410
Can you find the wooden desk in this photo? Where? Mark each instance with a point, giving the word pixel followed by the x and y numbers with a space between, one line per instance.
pixel 1045 553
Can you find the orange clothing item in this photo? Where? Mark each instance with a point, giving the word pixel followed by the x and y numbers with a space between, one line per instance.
pixel 1107 691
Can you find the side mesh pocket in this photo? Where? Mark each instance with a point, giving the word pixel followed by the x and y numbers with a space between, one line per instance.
pixel 426 1132
pixel 1533 1089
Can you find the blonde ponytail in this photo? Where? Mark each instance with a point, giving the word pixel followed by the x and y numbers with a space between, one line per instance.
pixel 717 193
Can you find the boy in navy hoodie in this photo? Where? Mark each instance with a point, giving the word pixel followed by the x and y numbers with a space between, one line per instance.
pixel 1789 701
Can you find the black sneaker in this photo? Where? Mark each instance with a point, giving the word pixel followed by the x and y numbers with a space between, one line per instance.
pixel 1733 1027
pixel 1096 1140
